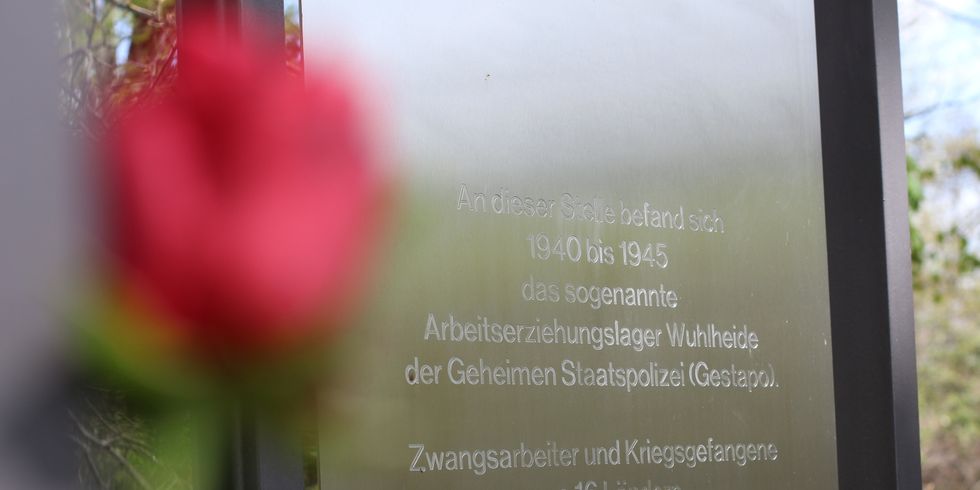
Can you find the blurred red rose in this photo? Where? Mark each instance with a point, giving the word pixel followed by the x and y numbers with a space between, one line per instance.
pixel 241 202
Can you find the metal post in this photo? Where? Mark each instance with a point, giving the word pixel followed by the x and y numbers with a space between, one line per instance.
pixel 248 18
pixel 865 189
pixel 255 458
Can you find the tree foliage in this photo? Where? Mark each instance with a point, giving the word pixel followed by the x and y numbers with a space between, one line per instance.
pixel 943 192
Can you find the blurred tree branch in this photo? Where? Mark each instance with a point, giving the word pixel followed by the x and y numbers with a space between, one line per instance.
pixel 952 13
pixel 135 9
pixel 945 104
pixel 955 15
pixel 114 51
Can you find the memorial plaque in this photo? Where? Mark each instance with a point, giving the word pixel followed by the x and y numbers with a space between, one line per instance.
pixel 610 263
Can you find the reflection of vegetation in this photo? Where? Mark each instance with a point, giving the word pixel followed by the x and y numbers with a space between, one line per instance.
pixel 116 51
pixel 113 50
pixel 294 36
pixel 120 450
pixel 942 185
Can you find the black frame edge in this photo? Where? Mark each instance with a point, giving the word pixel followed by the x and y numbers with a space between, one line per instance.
pixel 869 263
pixel 255 20
pixel 897 247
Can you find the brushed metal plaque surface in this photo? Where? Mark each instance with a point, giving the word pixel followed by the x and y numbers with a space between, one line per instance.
pixel 580 180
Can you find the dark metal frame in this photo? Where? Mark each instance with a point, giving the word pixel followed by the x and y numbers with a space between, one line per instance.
pixel 250 18
pixel 866 203
pixel 866 199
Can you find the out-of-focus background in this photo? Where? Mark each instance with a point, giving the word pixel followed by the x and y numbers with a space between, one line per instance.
pixel 941 77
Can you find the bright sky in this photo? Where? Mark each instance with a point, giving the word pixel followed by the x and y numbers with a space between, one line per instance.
pixel 941 68
pixel 941 64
